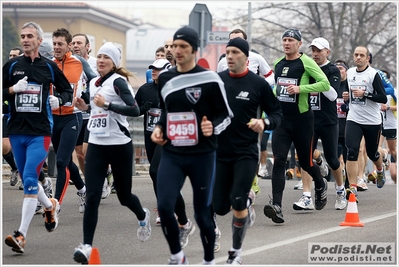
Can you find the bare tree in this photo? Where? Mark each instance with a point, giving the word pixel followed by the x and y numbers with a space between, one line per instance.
pixel 345 25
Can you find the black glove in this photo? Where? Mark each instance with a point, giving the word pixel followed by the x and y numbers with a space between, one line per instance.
pixel 147 105
pixel 345 107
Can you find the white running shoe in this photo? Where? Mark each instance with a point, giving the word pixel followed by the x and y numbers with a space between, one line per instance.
pixel 185 232
pixel 82 201
pixel 385 160
pixel 262 170
pixel 82 253
pixel 304 203
pixel 361 185
pixel 218 234
pixel 106 189
pixel 251 209
pixel 340 200
pixel 144 230
pixel 299 186
pixel 48 190
pixel 233 259
pixel 323 167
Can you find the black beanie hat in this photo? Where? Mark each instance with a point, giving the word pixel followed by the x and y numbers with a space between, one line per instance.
pixel 240 44
pixel 189 35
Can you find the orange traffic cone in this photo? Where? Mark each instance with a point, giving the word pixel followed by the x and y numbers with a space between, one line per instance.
pixel 352 216
pixel 95 256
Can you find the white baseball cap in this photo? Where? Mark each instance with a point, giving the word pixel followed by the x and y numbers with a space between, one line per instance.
pixel 320 43
pixel 160 64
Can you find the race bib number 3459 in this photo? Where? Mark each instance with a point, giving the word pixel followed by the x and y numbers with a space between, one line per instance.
pixel 182 128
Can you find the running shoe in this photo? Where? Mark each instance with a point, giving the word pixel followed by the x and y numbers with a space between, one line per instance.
pixel 251 209
pixel 361 185
pixel 351 190
pixel 298 186
pixel 380 179
pixel 48 190
pixel 184 261
pixel 16 241
pixel 113 190
pixel 218 234
pixel 39 208
pixel 290 174
pixel 157 218
pixel 106 189
pixel 385 160
pixel 82 253
pixel 323 166
pixel 321 196
pixel 233 258
pixel 144 230
pixel 262 171
pixel 304 203
pixel 372 177
pixel 51 216
pixel 185 232
pixel 273 212
pixel 14 177
pixel 255 185
pixel 340 200
pixel 81 201
pixel 20 184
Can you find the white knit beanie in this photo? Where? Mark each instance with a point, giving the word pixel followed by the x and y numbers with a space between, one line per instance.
pixel 112 51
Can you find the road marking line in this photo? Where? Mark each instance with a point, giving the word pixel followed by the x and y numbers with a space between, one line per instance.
pixel 303 237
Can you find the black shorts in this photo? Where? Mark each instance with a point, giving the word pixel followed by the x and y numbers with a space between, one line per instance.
pixel 389 134
pixel 82 135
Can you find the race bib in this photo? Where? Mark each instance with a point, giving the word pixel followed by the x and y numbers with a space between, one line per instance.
pixel 30 100
pixel 98 124
pixel 153 116
pixel 314 101
pixel 182 128
pixel 281 89
pixel 357 100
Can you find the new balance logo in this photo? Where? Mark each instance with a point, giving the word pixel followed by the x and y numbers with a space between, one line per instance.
pixel 243 95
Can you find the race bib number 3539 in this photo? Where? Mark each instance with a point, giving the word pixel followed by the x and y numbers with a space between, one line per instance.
pixel 182 128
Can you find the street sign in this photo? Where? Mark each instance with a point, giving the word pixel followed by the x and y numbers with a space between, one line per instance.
pixel 194 19
pixel 217 37
pixel 201 20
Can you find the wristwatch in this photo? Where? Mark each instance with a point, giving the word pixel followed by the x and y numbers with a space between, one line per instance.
pixel 366 94
pixel 267 122
pixel 106 105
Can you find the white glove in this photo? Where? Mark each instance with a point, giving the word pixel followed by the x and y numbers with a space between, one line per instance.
pixel 54 102
pixel 21 85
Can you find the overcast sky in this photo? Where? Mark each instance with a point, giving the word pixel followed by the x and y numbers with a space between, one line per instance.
pixel 216 8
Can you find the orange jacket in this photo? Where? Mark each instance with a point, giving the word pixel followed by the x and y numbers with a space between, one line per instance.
pixel 73 71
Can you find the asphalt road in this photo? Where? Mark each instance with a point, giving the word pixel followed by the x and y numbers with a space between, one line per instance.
pixel 266 243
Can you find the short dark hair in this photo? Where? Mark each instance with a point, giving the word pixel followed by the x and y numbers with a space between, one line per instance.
pixel 84 35
pixel 160 49
pixel 239 31
pixel 63 32
pixel 18 48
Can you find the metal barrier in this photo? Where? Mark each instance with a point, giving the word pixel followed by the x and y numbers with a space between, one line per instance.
pixel 136 129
